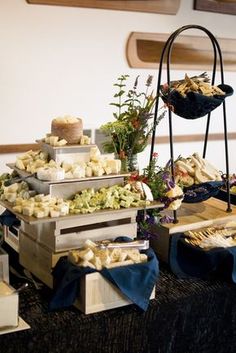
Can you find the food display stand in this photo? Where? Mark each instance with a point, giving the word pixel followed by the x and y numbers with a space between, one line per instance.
pixel 41 242
pixel 200 214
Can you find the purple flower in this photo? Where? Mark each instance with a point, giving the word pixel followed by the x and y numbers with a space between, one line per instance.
pixel 167 219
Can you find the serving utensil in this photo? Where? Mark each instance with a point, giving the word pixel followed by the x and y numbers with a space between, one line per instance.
pixel 136 244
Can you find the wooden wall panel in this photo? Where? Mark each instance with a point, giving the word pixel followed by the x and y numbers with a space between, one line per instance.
pixel 221 6
pixel 99 138
pixel 143 50
pixel 157 6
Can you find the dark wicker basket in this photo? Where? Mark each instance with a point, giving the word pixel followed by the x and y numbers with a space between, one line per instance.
pixel 194 105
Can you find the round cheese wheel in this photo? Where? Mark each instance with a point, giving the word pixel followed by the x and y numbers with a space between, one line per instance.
pixel 68 128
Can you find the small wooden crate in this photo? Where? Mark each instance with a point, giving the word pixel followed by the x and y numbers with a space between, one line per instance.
pixel 38 259
pixel 11 236
pixel 4 266
pixel 74 153
pixel 96 293
pixel 9 300
pixel 190 217
pixel 69 233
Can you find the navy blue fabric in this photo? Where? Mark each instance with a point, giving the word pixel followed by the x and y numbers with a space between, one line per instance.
pixel 187 260
pixel 135 281
pixel 202 192
pixel 7 218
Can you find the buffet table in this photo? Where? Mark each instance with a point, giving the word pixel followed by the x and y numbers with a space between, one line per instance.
pixel 187 316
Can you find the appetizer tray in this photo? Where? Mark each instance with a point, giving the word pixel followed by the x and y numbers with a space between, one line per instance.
pixel 58 189
pixel 27 175
pixel 191 216
pixel 111 212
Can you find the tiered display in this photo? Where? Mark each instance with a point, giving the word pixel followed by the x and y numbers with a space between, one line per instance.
pixel 60 215
pixel 193 98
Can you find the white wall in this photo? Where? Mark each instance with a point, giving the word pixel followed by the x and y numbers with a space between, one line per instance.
pixel 64 60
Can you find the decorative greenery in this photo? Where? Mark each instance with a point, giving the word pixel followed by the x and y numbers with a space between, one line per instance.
pixel 158 178
pixel 129 133
pixel 164 189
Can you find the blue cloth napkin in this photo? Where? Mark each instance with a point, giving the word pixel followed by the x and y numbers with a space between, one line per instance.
pixel 135 281
pixel 7 218
pixel 202 192
pixel 188 261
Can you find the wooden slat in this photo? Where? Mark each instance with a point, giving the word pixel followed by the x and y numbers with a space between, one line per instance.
pixel 4 149
pixel 189 52
pixel 169 7
pixel 194 138
pixel 221 6
pixel 18 148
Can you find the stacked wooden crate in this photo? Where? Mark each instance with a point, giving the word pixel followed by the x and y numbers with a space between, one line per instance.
pixel 43 241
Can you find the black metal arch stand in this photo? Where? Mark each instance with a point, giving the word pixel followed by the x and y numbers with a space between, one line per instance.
pixel 167 51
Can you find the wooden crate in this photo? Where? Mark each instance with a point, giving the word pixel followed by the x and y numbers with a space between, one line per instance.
pixel 96 293
pixel 11 236
pixel 190 217
pixel 9 302
pixel 74 153
pixel 4 266
pixel 38 259
pixel 66 234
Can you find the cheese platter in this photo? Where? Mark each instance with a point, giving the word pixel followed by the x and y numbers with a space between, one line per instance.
pixel 109 212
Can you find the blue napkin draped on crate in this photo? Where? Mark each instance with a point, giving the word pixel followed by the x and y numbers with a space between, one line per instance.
pixel 188 261
pixel 135 281
pixel 8 219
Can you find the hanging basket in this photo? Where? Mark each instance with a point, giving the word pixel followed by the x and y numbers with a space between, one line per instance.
pixel 194 105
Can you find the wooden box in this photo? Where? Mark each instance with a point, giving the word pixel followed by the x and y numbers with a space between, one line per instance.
pixel 96 293
pixel 73 153
pixel 71 232
pixel 11 236
pixel 9 301
pixel 38 259
pixel 190 217
pixel 4 266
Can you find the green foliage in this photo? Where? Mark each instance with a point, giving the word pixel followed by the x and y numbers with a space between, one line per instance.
pixel 133 124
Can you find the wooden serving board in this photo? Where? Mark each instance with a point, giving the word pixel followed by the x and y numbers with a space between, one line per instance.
pixel 201 214
pixel 190 217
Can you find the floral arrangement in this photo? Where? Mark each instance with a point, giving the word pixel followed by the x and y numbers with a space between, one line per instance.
pixel 164 189
pixel 128 134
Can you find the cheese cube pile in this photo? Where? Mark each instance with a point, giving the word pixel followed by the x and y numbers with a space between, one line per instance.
pixel 97 166
pixel 113 197
pixel 16 190
pixel 92 256
pixel 41 206
pixel 31 161
pixel 56 141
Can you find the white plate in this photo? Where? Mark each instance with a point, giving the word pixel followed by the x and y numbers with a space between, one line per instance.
pixel 21 326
